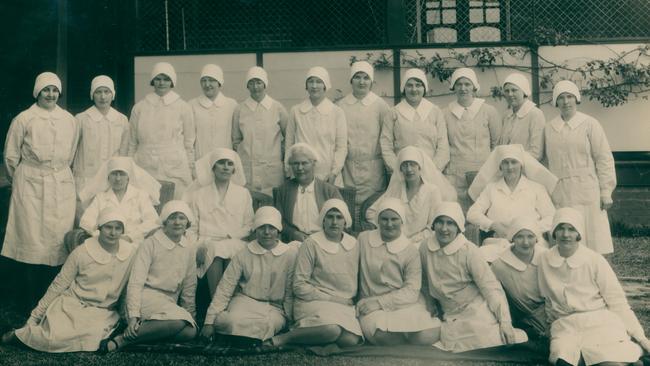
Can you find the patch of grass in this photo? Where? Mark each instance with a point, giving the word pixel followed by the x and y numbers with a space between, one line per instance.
pixel 631 257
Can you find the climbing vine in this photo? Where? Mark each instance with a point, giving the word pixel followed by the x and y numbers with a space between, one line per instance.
pixel 611 82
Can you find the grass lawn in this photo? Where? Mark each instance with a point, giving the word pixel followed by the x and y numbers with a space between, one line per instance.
pixel 632 259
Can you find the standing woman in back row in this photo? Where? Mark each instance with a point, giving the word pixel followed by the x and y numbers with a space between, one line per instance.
pixel 579 155
pixel 162 134
pixel 39 149
pixel 473 128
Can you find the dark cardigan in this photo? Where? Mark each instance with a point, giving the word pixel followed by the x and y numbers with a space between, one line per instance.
pixel 286 200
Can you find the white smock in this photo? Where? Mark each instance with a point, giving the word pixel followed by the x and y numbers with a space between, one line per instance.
pixel 213 122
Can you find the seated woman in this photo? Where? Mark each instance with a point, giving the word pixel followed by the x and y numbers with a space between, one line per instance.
pixel 325 284
pixel 421 187
pixel 511 183
pixel 163 276
pixel 79 308
pixel 391 309
pixel 590 317
pixel 223 209
pixel 516 269
pixel 254 297
pixel 121 184
pixel 474 306
pixel 300 207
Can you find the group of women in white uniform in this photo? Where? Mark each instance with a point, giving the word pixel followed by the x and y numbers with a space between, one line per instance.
pixel 414 278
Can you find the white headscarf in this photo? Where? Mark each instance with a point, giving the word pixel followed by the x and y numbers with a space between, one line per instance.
pixel 339 205
pixel 453 211
pixel 46 79
pixel 203 166
pixel 464 72
pixel 524 223
pixel 213 71
pixel 428 172
pixel 267 215
pixel 138 178
pixel 257 72
pixel 569 215
pixel 393 204
pixel 362 66
pixel 102 80
pixel 176 206
pixel 164 68
pixel 321 73
pixel 520 81
pixel 415 74
pixel 110 214
pixel 530 167
pixel 565 86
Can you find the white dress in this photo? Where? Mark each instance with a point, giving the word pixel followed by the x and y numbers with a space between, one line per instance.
pixel 326 271
pixel 80 309
pixel 213 122
pixel 38 153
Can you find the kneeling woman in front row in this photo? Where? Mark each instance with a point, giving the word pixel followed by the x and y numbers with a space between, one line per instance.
pixel 585 304
pixel 254 297
pixel 392 310
pixel 474 306
pixel 325 283
pixel 163 276
pixel 79 308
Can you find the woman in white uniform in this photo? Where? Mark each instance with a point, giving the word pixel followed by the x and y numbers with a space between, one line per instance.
pixel 39 150
pixel 121 184
pixel 524 122
pixel 325 284
pixel 473 127
pixel 415 122
pixel 391 308
pixel 579 155
pixel 254 298
pixel 162 285
pixel 104 132
pixel 80 307
pixel 258 127
pixel 364 113
pixel 590 317
pixel 212 113
pixel 161 140
pixel 223 208
pixel 474 307
pixel 320 124
pixel 421 187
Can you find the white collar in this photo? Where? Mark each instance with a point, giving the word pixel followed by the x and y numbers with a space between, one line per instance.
pixel 367 100
pixel 168 243
pixel 130 192
pixel 332 247
pixel 101 256
pixel 521 185
pixel 325 107
pixel 573 123
pixel 508 257
pixel 255 248
pixel 97 116
pixel 576 260
pixel 308 189
pixel 393 247
pixel 168 99
pixel 526 107
pixel 458 110
pixel 267 102
pixel 56 113
pixel 449 249
pixel 409 112
pixel 218 102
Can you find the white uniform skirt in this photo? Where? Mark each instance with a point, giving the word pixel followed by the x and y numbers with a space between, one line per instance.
pixel 475 327
pixel 159 306
pixel 413 318
pixel 598 335
pixel 250 318
pixel 316 313
pixel 69 326
pixel 225 249
pixel 599 238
